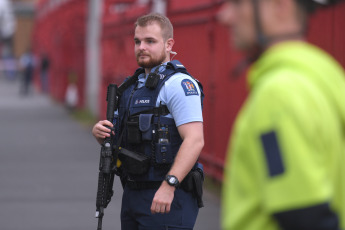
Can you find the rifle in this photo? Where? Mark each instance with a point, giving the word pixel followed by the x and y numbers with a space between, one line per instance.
pixel 107 162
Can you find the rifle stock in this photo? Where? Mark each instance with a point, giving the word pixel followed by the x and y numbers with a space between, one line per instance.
pixel 107 162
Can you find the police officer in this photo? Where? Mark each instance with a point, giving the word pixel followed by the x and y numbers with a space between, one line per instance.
pixel 160 134
pixel 285 166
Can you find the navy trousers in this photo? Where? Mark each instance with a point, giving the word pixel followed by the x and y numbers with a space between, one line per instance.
pixel 136 213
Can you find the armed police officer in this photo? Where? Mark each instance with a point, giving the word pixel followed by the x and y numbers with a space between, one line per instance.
pixel 159 131
pixel 285 168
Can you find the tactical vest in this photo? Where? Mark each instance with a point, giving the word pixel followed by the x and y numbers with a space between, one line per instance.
pixel 146 131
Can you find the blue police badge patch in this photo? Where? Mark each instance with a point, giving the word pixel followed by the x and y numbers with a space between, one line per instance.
pixel 142 101
pixel 189 87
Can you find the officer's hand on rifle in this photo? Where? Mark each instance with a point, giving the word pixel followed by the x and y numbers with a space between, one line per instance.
pixel 100 130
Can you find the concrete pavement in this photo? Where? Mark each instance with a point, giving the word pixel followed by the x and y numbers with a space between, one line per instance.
pixel 49 168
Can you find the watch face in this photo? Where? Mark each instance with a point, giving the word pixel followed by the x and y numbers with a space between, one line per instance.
pixel 172 180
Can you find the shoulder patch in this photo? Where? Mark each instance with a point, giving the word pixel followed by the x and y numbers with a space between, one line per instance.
pixel 189 87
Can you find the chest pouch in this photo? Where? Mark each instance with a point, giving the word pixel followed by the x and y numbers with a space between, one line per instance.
pixel 139 129
pixel 145 126
pixel 133 132
pixel 133 162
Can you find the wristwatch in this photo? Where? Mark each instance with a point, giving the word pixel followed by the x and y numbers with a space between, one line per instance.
pixel 172 180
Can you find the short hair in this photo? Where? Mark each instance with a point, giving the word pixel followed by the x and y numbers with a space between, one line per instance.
pixel 163 22
pixel 304 9
pixel 308 6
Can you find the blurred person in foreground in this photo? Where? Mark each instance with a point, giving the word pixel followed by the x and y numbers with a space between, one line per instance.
pixel 285 166
pixel 160 119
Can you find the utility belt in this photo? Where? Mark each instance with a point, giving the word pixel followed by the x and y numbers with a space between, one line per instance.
pixel 192 183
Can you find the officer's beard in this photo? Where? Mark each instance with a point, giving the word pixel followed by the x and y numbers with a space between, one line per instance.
pixel 152 62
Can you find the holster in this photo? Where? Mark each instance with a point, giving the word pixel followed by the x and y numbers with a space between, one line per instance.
pixel 133 162
pixel 193 183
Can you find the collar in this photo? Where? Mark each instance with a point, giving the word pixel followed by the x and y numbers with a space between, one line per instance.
pixel 284 53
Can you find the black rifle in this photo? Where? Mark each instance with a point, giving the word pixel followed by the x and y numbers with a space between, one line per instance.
pixel 107 162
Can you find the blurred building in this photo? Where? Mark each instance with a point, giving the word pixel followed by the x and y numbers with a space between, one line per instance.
pixel 7 26
pixel 7 21
pixel 24 11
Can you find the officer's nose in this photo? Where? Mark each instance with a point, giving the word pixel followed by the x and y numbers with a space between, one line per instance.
pixel 142 46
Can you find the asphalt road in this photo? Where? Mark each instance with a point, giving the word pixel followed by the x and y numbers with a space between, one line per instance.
pixel 49 168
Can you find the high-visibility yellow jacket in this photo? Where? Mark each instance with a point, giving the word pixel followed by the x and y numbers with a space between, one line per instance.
pixel 287 149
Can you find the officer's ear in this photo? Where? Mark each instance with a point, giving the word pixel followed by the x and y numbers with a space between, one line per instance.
pixel 169 45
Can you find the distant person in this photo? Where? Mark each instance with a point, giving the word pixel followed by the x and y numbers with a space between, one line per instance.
pixel 285 166
pixel 27 63
pixel 45 64
pixel 71 95
pixel 10 67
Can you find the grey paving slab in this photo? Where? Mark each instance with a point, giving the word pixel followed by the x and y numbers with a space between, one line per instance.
pixel 49 167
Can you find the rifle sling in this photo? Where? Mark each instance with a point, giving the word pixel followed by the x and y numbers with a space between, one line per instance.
pixel 130 81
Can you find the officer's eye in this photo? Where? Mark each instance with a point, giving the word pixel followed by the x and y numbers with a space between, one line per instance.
pixel 137 42
pixel 150 41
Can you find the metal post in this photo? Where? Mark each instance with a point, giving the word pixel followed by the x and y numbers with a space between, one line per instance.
pixel 93 57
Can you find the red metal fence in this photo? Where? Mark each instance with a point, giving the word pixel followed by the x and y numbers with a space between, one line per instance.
pixel 202 46
pixel 60 31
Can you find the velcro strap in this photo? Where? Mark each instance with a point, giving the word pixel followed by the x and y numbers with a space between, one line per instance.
pixel 161 110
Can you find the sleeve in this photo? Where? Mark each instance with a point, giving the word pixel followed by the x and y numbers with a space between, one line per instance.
pixel 289 129
pixel 182 96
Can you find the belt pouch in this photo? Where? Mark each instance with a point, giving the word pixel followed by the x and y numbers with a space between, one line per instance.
pixel 133 162
pixel 145 126
pixel 133 132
